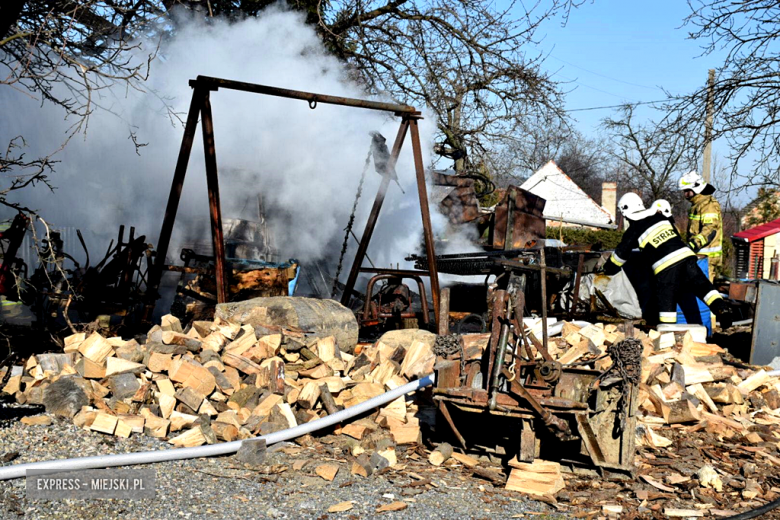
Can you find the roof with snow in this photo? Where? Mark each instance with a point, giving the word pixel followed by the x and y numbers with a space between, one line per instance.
pixel 759 232
pixel 565 200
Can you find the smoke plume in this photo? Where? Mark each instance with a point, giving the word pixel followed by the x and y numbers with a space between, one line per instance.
pixel 305 163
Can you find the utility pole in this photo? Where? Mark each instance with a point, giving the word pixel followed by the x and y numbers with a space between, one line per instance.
pixel 707 160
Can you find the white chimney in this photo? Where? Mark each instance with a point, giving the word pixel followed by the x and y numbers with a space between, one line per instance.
pixel 609 198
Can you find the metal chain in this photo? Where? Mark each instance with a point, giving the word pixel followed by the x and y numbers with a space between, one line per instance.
pixel 627 365
pixel 350 223
pixel 445 346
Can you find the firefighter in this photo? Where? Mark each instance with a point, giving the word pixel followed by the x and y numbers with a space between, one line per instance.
pixel 673 262
pixel 705 225
pixel 662 207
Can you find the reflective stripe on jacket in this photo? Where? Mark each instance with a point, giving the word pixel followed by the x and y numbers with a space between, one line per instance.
pixel 705 225
pixel 656 238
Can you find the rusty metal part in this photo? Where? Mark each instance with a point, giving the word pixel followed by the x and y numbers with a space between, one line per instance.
pixel 422 192
pixel 550 371
pixel 498 363
pixel 444 312
pixel 215 211
pixel 373 313
pixel 556 424
pixel 533 267
pixel 446 414
pixel 543 264
pixel 518 221
pixel 212 83
pixel 497 312
pixel 479 397
pixel 200 105
pixel 577 282
pixel 155 276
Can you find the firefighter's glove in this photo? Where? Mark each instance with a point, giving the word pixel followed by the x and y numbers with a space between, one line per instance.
pixel 693 245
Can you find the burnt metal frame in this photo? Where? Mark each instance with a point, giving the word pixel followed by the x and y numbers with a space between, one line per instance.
pixel 201 105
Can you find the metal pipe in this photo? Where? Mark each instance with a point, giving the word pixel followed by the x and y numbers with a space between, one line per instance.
pixel 543 263
pixel 396 272
pixel 581 222
pixel 498 362
pixel 212 83
pixel 211 450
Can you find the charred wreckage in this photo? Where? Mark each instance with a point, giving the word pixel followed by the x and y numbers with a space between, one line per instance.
pixel 489 364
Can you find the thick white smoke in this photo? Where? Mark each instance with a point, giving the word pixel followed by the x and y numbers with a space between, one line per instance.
pixel 305 162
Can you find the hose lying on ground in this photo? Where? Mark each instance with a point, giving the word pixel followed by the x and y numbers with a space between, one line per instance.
pixel 211 450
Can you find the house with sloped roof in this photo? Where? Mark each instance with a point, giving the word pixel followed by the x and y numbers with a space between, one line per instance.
pixel 754 249
pixel 567 204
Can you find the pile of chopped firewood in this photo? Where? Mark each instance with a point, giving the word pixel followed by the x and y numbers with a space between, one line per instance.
pixel 220 381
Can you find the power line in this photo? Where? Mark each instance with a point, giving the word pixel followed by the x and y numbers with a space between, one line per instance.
pixel 604 75
pixel 619 106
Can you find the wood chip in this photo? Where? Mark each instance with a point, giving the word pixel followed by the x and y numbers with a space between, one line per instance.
pixel 327 471
pixel 392 506
pixel 340 507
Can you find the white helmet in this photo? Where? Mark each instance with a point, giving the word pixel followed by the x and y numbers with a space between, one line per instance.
pixel 663 207
pixel 692 181
pixel 632 207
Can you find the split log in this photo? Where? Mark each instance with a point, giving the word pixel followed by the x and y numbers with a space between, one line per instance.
pixel 104 423
pixel 327 400
pixel 441 454
pixel 190 397
pixel 115 365
pixel 96 348
pixel 681 412
pixel 698 391
pixel 309 395
pixel 240 363
pixel 753 382
pixel 192 375
pixel 539 478
pixel 177 338
pixel 225 431
pixel 419 360
pixel 189 439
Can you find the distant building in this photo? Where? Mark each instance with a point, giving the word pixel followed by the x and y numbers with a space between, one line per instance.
pixel 755 248
pixel 567 204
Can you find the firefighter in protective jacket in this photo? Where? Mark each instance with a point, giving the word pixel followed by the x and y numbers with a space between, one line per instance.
pixel 673 262
pixel 705 224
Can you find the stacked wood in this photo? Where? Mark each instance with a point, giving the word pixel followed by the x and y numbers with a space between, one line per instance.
pixel 683 382
pixel 224 381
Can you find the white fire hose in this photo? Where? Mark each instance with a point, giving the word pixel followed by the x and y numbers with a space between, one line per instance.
pixel 211 450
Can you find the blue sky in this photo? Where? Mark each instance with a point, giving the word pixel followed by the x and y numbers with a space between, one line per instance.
pixel 613 52
pixel 617 51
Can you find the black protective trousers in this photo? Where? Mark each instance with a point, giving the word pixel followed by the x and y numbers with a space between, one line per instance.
pixel 677 280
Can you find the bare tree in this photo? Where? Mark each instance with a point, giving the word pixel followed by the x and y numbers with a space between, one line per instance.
pixel 587 161
pixel 466 60
pixel 654 154
pixel 65 52
pixel 746 95
pixel 469 61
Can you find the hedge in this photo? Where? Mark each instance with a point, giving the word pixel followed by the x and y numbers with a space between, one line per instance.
pixel 603 238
